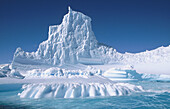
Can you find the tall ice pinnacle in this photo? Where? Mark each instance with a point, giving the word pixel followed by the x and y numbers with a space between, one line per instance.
pixel 67 43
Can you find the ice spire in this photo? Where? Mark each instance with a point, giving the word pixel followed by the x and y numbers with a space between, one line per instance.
pixel 69 9
pixel 68 42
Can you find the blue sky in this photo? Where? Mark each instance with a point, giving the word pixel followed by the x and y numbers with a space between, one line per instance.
pixel 127 25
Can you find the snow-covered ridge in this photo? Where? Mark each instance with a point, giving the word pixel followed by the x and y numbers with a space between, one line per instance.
pixel 73 41
pixel 77 90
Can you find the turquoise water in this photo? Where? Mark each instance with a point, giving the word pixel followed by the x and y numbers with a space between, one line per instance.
pixel 157 96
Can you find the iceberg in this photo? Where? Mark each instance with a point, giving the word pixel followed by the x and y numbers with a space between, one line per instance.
pixel 132 75
pixel 122 75
pixel 72 45
pixel 71 63
pixel 73 42
pixel 66 43
pixel 77 90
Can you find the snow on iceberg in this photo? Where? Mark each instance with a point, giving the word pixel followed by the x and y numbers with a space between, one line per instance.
pixel 77 90
pixel 57 72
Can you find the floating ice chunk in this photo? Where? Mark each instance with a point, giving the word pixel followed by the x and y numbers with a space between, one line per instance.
pixel 122 75
pixel 131 75
pixel 75 90
pixel 156 77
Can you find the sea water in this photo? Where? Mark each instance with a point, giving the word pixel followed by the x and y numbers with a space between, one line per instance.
pixel 155 96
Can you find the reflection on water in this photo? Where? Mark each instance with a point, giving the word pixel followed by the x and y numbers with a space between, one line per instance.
pixel 157 96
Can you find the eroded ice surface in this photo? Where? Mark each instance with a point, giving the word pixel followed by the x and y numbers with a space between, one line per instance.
pixel 77 90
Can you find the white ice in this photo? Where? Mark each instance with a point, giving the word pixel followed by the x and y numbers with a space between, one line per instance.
pixel 77 90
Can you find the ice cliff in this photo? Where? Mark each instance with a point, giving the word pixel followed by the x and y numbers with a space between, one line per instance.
pixel 73 41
